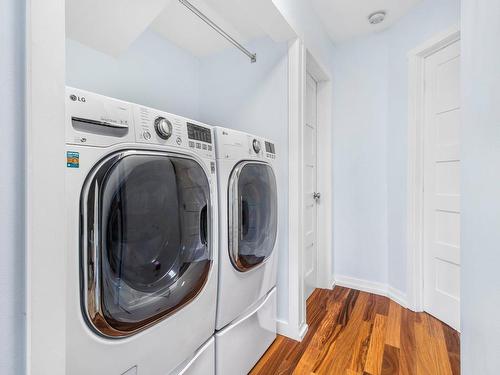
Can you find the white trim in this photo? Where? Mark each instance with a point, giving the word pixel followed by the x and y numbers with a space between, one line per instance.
pixel 284 329
pixel 45 180
pixel 367 286
pixel 299 61
pixel 416 60
pixel 397 296
pixel 296 83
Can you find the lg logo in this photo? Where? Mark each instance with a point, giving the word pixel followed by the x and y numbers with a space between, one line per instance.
pixel 77 98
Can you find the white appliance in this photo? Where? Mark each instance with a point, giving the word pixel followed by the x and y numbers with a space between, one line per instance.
pixel 143 246
pixel 248 212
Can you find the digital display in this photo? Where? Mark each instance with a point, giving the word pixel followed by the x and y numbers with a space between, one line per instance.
pixel 270 148
pixel 199 133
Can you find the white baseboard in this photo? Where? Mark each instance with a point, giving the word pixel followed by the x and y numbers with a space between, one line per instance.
pixel 372 287
pixel 397 296
pixel 295 333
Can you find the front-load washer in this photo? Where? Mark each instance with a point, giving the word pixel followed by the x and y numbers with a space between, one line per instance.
pixel 248 212
pixel 142 226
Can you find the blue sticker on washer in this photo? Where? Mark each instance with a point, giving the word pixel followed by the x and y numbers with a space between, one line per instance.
pixel 72 159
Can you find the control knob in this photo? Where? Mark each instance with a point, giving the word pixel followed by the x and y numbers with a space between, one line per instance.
pixel 163 127
pixel 256 146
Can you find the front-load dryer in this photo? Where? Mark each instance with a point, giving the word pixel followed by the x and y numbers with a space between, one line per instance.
pixel 248 212
pixel 142 225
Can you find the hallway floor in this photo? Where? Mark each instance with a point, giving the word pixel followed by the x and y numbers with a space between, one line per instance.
pixel 357 333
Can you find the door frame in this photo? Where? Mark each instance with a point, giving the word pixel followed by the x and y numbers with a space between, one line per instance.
pixel 45 185
pixel 302 60
pixel 415 177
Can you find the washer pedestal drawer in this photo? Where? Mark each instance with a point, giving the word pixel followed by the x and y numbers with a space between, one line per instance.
pixel 240 345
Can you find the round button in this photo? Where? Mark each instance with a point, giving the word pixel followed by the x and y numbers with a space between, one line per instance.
pixel 147 135
pixel 179 140
pixel 163 127
pixel 256 146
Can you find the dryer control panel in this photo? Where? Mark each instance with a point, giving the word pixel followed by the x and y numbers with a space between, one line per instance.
pixel 236 145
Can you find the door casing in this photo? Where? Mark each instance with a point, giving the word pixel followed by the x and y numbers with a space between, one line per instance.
pixel 415 177
pixel 300 61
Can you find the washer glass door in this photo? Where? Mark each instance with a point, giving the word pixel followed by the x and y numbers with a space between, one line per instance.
pixel 146 236
pixel 253 214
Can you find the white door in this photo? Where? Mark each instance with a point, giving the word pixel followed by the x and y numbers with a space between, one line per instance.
pixel 309 188
pixel 442 185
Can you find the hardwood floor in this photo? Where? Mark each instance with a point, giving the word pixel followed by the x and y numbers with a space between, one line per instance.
pixel 356 333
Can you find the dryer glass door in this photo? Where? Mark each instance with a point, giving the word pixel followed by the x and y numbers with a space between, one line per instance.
pixel 146 239
pixel 253 214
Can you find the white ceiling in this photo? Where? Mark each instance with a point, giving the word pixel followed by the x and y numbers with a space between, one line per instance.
pixel 179 25
pixel 111 26
pixel 346 19
pixel 244 20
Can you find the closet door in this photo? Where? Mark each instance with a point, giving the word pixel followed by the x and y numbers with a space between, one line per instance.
pixel 442 186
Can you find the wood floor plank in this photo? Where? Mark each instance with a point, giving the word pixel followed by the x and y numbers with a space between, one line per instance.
pixel 336 358
pixel 431 358
pixel 394 325
pixel 382 305
pixel 377 345
pixel 425 352
pixel 443 360
pixel 327 330
pixel 408 364
pixel 390 361
pixel 357 333
pixel 360 347
pixel 452 339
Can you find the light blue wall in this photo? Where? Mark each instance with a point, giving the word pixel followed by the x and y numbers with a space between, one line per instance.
pixel 253 98
pixel 223 89
pixel 151 72
pixel 359 156
pixel 12 147
pixel 370 144
pixel 480 199
pixel 427 19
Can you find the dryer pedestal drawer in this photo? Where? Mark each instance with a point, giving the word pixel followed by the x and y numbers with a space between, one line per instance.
pixel 241 344
pixel 202 363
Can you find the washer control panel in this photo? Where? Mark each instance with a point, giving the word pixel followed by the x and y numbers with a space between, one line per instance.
pixel 156 127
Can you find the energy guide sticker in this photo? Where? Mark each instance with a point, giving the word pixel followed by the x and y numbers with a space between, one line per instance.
pixel 72 159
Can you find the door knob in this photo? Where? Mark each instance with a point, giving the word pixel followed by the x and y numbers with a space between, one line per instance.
pixel 316 195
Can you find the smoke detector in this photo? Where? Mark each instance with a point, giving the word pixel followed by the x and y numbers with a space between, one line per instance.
pixel 376 17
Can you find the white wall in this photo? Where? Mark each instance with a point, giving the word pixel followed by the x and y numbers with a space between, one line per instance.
pixel 480 202
pixel 370 144
pixel 12 146
pixel 253 98
pixel 152 72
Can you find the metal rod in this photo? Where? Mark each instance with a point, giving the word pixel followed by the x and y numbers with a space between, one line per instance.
pixel 213 25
